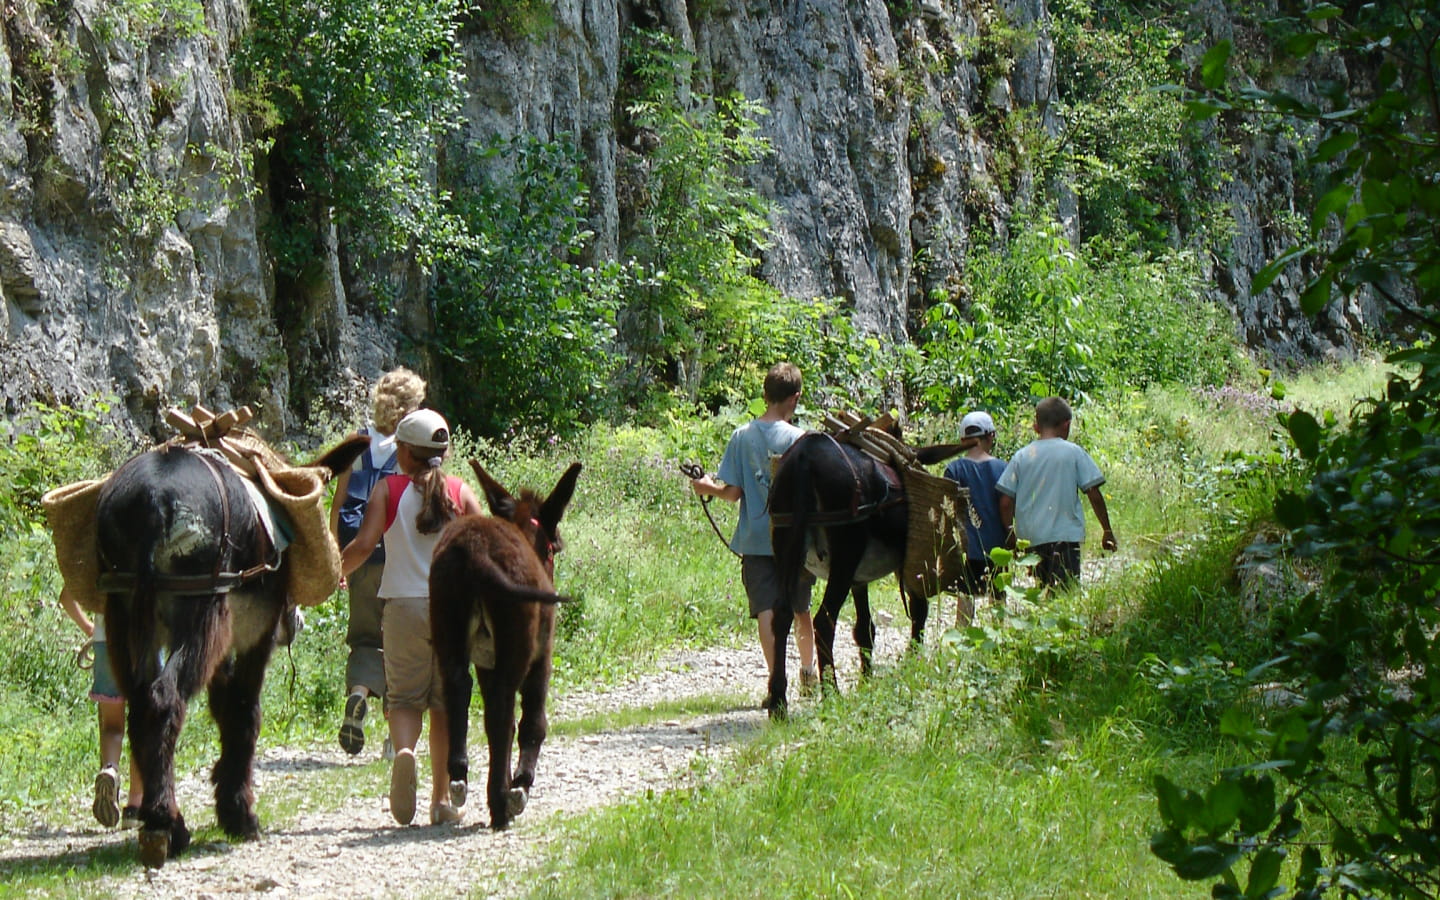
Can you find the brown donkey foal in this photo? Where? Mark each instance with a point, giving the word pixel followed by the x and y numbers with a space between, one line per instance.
pixel 492 604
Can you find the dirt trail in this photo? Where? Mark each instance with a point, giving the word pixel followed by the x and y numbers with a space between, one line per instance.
pixel 357 850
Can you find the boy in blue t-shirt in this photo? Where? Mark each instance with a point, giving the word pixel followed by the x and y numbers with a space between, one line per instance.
pixel 744 476
pixel 978 471
pixel 1040 496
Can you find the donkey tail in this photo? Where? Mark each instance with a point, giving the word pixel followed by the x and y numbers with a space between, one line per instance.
pixel 794 490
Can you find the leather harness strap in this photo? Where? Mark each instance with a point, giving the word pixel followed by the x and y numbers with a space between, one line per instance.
pixel 857 512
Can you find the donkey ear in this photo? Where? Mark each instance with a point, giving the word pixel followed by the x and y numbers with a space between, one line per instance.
pixel 342 456
pixel 554 506
pixel 939 452
pixel 501 503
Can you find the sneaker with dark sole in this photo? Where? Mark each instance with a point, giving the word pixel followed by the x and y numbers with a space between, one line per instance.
pixel 107 797
pixel 352 729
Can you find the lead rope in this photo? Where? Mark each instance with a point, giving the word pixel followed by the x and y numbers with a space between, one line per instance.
pixel 693 471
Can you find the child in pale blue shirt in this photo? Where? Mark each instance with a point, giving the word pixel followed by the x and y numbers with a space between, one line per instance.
pixel 1040 496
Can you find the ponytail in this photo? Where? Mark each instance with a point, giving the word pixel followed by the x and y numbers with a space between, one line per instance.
pixel 436 507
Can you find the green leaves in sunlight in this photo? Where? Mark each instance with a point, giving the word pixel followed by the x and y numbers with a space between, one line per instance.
pixel 1204 833
pixel 1214 65
pixel 1356 754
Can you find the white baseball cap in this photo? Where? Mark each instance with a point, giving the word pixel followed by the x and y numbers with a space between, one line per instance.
pixel 424 428
pixel 976 424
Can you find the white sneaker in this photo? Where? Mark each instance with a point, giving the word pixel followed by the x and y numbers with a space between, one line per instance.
pixel 107 797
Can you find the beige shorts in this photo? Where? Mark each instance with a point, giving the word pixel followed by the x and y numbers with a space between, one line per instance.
pixel 412 674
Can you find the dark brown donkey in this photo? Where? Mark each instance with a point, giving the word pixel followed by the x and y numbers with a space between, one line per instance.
pixel 492 604
pixel 843 515
pixel 191 574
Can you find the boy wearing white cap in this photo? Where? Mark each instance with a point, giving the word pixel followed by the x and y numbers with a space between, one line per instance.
pixel 978 471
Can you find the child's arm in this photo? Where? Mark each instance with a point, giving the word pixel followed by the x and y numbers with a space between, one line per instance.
pixel 1007 518
pixel 76 614
pixel 705 486
pixel 1097 503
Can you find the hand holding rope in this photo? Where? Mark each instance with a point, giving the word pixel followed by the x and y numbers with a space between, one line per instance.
pixel 694 472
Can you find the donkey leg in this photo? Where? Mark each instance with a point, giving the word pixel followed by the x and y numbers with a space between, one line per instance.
pixel 157 713
pixel 919 612
pixel 147 724
pixel 864 631
pixel 456 686
pixel 499 699
pixel 781 618
pixel 235 706
pixel 826 621
pixel 534 723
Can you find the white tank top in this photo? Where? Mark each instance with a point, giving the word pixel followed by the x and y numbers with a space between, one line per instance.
pixel 407 551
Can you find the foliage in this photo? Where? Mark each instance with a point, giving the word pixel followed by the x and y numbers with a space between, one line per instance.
pixel 526 330
pixel 354 95
pixel 696 230
pixel 1041 318
pixel 522 19
pixel 1140 168
pixel 1361 648
pixel 44 447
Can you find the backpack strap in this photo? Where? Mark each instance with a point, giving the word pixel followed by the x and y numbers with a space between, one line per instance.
pixel 397 484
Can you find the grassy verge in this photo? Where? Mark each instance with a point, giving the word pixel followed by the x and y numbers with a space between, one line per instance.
pixel 1016 759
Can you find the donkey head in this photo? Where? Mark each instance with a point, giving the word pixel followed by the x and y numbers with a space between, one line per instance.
pixel 536 516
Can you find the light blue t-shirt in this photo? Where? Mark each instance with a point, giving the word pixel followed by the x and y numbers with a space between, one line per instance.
pixel 1045 479
pixel 746 464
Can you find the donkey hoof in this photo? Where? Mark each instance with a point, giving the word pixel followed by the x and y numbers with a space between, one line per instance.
pixel 154 847
pixel 458 792
pixel 515 800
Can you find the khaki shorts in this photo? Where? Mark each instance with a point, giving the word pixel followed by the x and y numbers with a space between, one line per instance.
pixel 412 674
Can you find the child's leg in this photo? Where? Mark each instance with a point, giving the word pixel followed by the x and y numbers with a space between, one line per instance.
pixel 112 732
pixel 405 725
pixel 805 639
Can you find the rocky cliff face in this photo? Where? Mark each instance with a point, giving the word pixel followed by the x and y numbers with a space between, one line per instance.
pixel 132 257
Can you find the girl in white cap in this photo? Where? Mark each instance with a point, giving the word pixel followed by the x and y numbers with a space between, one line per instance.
pixel 408 512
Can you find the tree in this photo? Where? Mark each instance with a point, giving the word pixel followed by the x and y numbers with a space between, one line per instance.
pixel 1351 777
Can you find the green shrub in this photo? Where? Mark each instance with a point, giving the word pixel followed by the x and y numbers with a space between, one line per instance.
pixel 1039 318
pixel 527 328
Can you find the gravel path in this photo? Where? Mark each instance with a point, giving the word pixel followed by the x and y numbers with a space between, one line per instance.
pixel 357 850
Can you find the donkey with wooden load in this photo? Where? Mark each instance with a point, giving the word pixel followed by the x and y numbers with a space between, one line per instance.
pixel 852 504
pixel 200 546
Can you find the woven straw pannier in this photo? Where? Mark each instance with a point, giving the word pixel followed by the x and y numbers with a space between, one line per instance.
pixel 935 546
pixel 313 560
pixel 70 512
